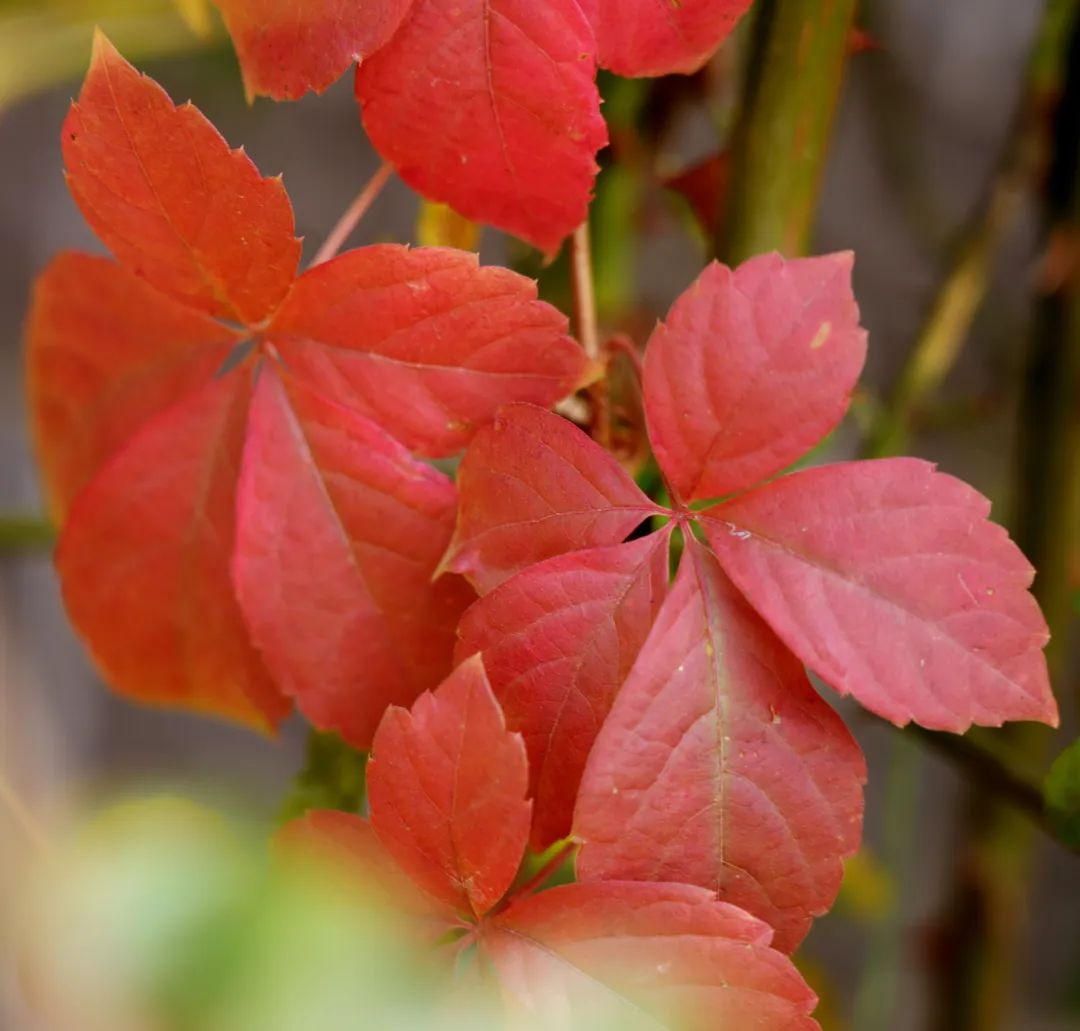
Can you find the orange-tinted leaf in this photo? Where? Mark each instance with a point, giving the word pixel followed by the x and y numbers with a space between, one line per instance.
pixel 720 766
pixel 491 106
pixel 424 341
pixel 447 784
pixel 287 47
pixel 750 370
pixel 658 37
pixel 534 486
pixel 887 580
pixel 633 955
pixel 339 531
pixel 175 205
pixel 105 353
pixel 144 563
pixel 557 640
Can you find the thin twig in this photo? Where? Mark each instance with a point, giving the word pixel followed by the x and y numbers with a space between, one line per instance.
pixel 356 211
pixel 581 273
pixel 18 533
pixel 993 776
pixel 587 328
pixel 22 816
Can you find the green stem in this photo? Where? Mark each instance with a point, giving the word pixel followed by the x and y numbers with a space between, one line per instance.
pixel 781 141
pixel 25 533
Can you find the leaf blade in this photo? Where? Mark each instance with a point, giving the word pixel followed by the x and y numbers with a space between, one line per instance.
pixel 738 354
pixel 486 86
pixel 841 558
pixel 287 47
pixel 534 486
pixel 558 640
pixel 645 955
pixel 447 785
pixel 174 204
pixel 105 353
pixel 650 37
pixel 424 341
pixel 144 558
pixel 720 766
pixel 338 533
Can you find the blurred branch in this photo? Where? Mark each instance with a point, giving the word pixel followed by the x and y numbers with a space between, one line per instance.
pixel 799 53
pixel 948 323
pixel 25 533
pixel 961 295
pixel 985 918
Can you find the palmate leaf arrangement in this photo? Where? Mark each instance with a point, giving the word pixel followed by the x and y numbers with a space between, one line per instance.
pixel 237 453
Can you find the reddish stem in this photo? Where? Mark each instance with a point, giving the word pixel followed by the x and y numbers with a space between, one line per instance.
pixel 620 343
pixel 356 211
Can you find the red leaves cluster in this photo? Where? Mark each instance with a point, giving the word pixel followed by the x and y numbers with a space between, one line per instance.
pixel 447 785
pixel 488 105
pixel 715 762
pixel 233 447
pixel 231 444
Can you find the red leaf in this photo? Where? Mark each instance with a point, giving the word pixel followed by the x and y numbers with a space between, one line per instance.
pixel 162 189
pixel 335 565
pixel 534 486
pixel 287 47
pixel 658 37
pixel 107 353
pixel 425 342
pixel 635 955
pixel 447 784
pixel 750 370
pixel 888 581
pixel 558 639
pixel 491 106
pixel 720 766
pixel 339 531
pixel 144 559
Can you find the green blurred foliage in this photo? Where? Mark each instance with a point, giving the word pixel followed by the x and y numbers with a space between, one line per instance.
pixel 162 915
pixel 334 777
pixel 46 42
pixel 1062 790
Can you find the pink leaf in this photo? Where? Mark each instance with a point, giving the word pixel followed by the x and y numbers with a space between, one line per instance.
pixel 425 342
pixel 491 106
pixel 658 37
pixel 887 580
pixel 632 955
pixel 534 486
pixel 751 369
pixel 720 766
pixel 287 47
pixel 169 198
pixel 557 640
pixel 447 784
pixel 339 530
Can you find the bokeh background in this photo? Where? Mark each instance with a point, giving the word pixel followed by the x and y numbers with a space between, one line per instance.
pixel 923 182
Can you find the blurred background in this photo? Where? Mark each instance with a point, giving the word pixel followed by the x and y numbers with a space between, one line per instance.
pixel 950 169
